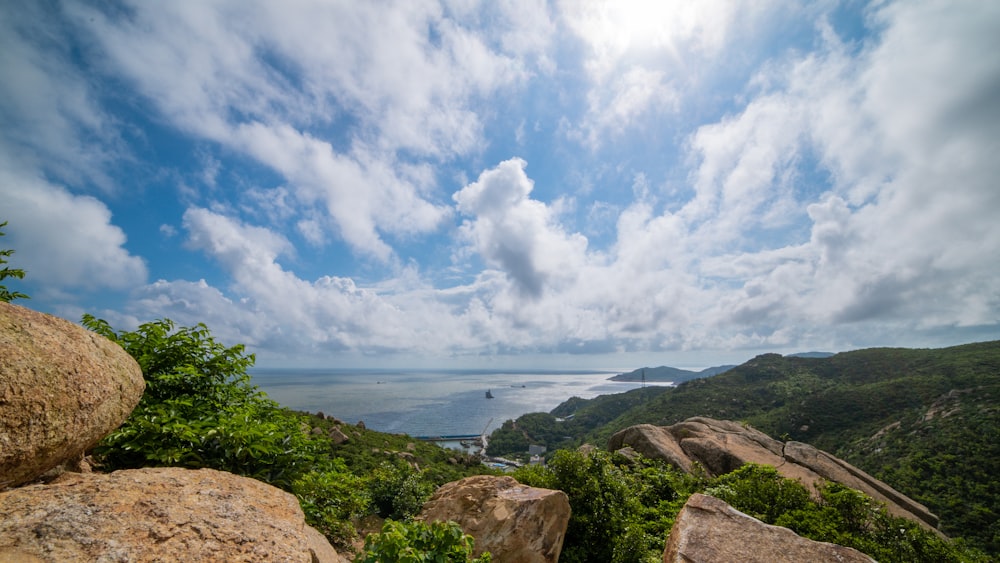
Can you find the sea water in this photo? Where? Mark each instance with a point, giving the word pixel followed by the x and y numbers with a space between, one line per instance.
pixel 430 403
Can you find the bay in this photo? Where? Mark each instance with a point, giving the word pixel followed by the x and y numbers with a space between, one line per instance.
pixel 430 403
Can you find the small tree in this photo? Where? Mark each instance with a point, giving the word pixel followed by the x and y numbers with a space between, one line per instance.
pixel 5 294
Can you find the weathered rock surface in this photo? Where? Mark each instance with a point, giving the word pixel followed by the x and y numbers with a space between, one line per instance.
pixel 157 514
pixel 62 389
pixel 514 522
pixel 337 436
pixel 721 446
pixel 653 442
pixel 708 530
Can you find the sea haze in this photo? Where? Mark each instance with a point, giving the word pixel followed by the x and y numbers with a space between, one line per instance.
pixel 430 403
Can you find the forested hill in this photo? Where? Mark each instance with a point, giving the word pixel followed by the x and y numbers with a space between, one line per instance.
pixel 926 421
pixel 667 373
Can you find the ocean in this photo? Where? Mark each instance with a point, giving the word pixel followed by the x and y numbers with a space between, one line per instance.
pixel 430 403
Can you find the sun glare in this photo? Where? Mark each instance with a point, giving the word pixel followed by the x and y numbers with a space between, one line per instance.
pixel 621 28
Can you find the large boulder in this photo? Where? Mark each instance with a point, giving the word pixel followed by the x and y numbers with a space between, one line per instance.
pixel 157 514
pixel 707 530
pixel 514 522
pixel 720 446
pixel 653 442
pixel 62 389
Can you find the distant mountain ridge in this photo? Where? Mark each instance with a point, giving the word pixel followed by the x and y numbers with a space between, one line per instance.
pixel 811 355
pixel 667 373
pixel 680 375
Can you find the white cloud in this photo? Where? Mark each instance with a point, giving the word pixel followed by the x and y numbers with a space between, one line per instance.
pixel 274 309
pixel 740 179
pixel 361 194
pixel 263 79
pixel 650 59
pixel 48 112
pixel 914 203
pixel 63 240
pixel 516 234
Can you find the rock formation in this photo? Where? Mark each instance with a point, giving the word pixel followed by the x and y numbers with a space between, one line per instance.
pixel 337 436
pixel 707 530
pixel 157 514
pixel 514 522
pixel 62 389
pixel 722 446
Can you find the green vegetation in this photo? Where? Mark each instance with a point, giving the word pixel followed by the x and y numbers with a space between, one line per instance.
pixel 927 422
pixel 619 512
pixel 623 510
pixel 842 516
pixel 419 542
pixel 200 410
pixel 5 294
pixel 564 426
pixel 666 373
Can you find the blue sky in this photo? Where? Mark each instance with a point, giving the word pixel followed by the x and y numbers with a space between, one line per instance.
pixel 509 184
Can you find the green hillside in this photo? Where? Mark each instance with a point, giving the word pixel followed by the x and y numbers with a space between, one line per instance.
pixel 925 421
pixel 667 373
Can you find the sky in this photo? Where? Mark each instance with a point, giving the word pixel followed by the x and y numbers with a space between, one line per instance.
pixel 509 184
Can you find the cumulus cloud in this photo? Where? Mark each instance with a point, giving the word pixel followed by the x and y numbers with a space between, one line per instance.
pixel 516 234
pixel 261 79
pixel 63 240
pixel 274 308
pixel 912 194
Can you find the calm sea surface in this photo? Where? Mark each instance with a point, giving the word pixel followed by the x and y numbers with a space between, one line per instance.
pixel 430 403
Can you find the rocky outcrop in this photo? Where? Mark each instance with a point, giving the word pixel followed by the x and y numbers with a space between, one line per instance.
pixel 721 446
pixel 514 522
pixel 157 514
pixel 653 442
pixel 707 530
pixel 62 389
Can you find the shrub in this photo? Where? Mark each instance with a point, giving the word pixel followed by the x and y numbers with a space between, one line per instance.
pixel 760 491
pixel 419 542
pixel 602 501
pixel 397 491
pixel 200 410
pixel 331 500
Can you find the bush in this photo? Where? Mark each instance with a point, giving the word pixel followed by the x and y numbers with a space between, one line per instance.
pixel 419 542
pixel 601 497
pixel 397 491
pixel 200 410
pixel 760 491
pixel 331 500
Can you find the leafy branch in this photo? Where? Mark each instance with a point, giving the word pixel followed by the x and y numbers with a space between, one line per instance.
pixel 5 294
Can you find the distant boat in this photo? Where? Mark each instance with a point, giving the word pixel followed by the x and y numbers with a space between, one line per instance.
pixel 489 395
